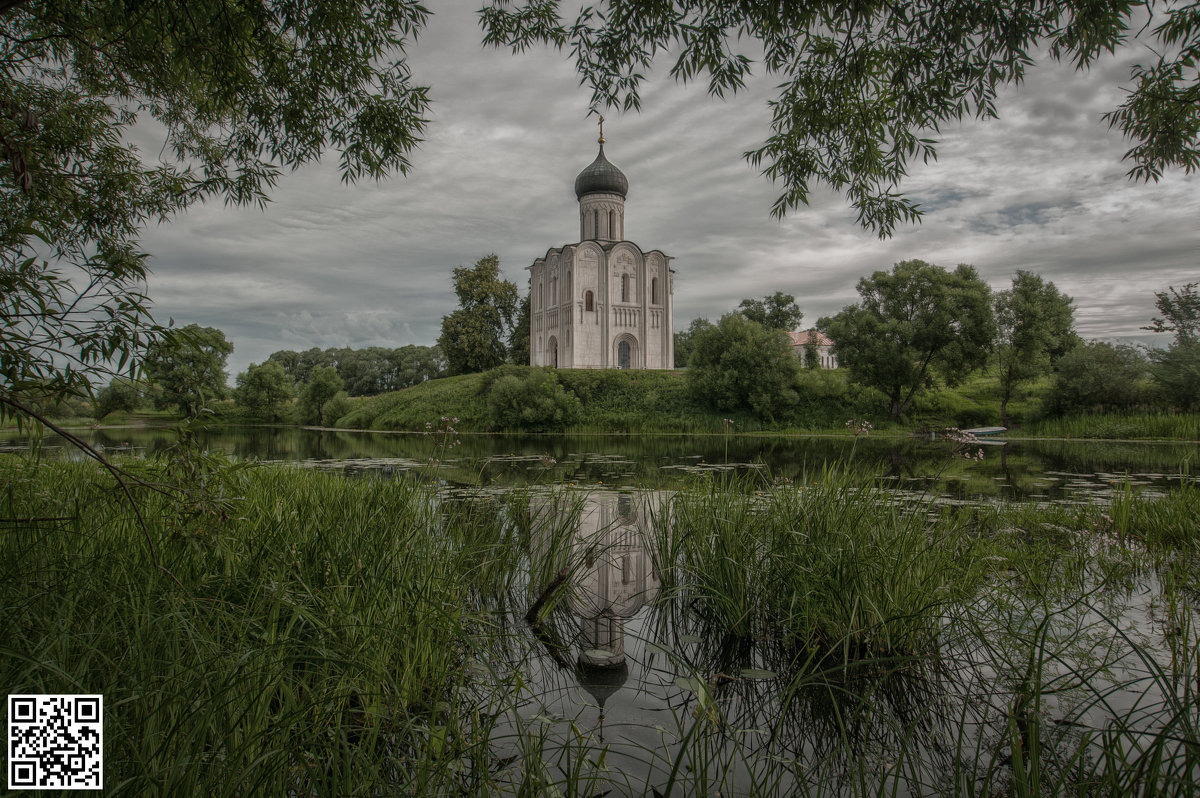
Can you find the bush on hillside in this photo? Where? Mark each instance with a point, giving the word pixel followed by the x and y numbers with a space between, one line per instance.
pixel 741 365
pixel 338 405
pixel 534 401
pixel 1176 373
pixel 1098 376
pixel 120 395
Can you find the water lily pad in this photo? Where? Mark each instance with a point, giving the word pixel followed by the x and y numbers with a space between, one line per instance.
pixel 690 683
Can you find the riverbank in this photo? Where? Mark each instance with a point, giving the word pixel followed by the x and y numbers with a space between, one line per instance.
pixel 574 400
pixel 525 400
pixel 299 632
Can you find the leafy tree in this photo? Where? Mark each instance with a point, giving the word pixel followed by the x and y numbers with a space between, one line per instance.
pixel 518 340
pixel 473 336
pixel 239 90
pixel 265 390
pixel 188 367
pixel 862 85
pixel 369 371
pixel 1180 313
pixel 121 395
pixel 741 365
pixel 1035 327
pixel 415 364
pixel 299 365
pixel 1099 376
pixel 911 320
pixel 535 401
pixel 777 312
pixel 364 372
pixel 1176 369
pixel 812 353
pixel 323 385
pixel 685 340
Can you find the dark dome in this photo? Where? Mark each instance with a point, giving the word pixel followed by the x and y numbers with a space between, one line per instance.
pixel 601 177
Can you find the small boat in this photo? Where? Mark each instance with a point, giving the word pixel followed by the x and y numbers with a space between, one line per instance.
pixel 980 432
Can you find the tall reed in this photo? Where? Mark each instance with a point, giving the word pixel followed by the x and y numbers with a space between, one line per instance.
pixel 839 566
pixel 311 641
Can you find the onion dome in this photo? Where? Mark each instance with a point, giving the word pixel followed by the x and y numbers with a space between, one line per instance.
pixel 601 177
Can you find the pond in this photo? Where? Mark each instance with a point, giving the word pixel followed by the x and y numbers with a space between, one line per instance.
pixel 1047 471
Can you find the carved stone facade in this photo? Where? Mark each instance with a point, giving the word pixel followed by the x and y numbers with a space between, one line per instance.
pixel 601 303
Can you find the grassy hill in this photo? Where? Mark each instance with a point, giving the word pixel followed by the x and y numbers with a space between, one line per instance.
pixel 659 401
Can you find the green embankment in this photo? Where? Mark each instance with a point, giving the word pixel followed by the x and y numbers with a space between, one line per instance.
pixel 525 399
pixel 659 401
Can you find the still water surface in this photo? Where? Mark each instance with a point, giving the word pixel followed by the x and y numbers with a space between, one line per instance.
pixel 1032 470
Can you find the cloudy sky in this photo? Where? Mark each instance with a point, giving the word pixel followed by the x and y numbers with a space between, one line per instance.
pixel 1042 188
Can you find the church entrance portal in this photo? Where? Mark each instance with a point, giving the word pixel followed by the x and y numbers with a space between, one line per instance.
pixel 553 347
pixel 623 355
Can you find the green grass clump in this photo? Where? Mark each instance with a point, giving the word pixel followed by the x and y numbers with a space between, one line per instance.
pixel 1120 426
pixel 308 636
pixel 838 567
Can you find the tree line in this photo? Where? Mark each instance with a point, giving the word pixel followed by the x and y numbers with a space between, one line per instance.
pixel 185 371
pixel 920 326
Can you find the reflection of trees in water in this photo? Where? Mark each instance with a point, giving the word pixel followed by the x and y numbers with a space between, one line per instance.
pixel 1016 471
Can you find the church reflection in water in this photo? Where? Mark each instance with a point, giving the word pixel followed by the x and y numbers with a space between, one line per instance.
pixel 611 577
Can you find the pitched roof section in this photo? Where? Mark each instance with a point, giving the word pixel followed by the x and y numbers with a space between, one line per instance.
pixel 801 338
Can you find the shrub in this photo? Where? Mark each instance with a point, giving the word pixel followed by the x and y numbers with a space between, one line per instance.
pixel 741 365
pixel 535 401
pixel 338 406
pixel 120 395
pixel 1176 373
pixel 1099 376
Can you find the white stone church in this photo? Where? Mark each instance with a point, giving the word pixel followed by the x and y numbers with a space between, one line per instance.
pixel 601 303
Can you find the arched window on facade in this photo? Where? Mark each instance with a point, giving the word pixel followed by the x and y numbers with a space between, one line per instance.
pixel 623 359
pixel 624 287
pixel 552 351
pixel 553 290
pixel 541 303
pixel 589 301
pixel 654 290
pixel 612 224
